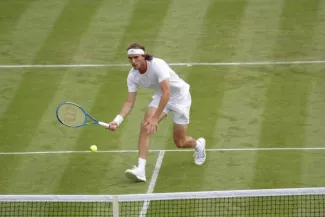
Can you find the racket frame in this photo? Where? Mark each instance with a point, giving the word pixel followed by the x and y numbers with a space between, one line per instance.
pixel 87 115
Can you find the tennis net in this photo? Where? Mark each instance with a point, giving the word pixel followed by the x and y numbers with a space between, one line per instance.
pixel 302 202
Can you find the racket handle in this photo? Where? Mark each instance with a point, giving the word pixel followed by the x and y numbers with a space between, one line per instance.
pixel 103 124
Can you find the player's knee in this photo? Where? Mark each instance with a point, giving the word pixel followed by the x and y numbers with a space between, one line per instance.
pixel 143 127
pixel 179 143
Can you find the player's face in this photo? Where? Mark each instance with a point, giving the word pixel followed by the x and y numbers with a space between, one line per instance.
pixel 136 60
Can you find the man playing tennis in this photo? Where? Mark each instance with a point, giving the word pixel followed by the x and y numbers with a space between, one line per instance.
pixel 172 95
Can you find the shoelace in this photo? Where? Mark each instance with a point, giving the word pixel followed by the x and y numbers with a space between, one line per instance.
pixel 199 154
pixel 134 167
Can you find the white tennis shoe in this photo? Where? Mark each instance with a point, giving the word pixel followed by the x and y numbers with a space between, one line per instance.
pixel 136 174
pixel 199 153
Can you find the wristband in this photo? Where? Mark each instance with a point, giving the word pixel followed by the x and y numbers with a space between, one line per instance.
pixel 118 119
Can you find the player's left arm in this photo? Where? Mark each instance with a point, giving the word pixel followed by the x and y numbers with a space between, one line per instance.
pixel 162 73
pixel 165 96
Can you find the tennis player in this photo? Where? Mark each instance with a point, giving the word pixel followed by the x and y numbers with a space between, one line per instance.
pixel 172 94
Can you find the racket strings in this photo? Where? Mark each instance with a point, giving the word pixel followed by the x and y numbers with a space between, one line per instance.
pixel 71 115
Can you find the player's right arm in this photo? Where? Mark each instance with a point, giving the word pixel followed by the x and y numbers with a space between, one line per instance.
pixel 127 105
pixel 125 111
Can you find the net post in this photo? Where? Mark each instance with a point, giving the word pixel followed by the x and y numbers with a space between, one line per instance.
pixel 115 206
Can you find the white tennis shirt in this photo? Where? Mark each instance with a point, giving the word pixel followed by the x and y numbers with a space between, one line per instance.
pixel 157 71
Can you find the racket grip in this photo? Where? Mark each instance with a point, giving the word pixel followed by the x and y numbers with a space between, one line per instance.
pixel 103 124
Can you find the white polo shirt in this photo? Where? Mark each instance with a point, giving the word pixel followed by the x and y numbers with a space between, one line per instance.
pixel 157 71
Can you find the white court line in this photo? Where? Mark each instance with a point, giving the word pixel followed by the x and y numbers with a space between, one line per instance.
pixel 171 64
pixel 152 184
pixel 167 150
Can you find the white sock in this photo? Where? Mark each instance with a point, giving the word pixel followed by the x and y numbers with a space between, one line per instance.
pixel 142 163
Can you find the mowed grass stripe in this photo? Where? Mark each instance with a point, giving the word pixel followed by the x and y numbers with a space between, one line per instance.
pixel 19 122
pixel 315 127
pixel 312 169
pixel 220 19
pixel 30 32
pixel 317 48
pixel 245 88
pixel 144 25
pixel 244 98
pixel 9 81
pixel 221 26
pixel 259 29
pixel 63 42
pixel 37 88
pixel 286 108
pixel 315 130
pixel 299 18
pixel 11 12
pixel 22 44
pixel 101 42
pixel 114 90
pixel 180 32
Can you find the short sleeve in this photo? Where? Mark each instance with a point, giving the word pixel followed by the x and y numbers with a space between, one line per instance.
pixel 132 86
pixel 162 70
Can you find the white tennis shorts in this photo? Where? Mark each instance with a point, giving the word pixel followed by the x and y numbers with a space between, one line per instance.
pixel 180 106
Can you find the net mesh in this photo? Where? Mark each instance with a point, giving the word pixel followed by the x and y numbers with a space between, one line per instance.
pixel 55 209
pixel 275 206
pixel 199 204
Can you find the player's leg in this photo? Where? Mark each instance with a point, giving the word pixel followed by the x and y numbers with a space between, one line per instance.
pixel 144 137
pixel 137 173
pixel 181 139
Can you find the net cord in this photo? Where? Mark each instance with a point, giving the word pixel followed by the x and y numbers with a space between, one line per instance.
pixel 164 196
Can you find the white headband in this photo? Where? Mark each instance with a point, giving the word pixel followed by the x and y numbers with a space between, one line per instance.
pixel 135 51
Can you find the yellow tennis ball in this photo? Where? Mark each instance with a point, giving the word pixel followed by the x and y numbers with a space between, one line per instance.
pixel 93 148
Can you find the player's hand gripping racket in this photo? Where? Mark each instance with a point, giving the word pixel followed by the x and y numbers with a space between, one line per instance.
pixel 72 115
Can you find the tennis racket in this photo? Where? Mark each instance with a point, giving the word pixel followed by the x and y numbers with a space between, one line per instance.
pixel 72 115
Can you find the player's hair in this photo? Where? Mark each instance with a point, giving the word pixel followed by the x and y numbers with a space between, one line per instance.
pixel 139 46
